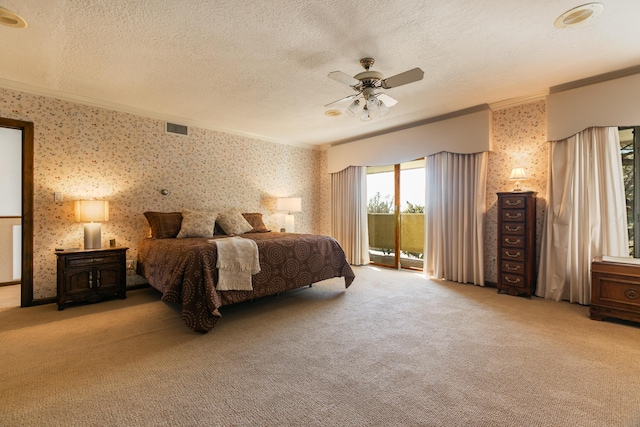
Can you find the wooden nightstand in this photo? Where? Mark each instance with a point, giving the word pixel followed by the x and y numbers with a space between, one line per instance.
pixel 91 275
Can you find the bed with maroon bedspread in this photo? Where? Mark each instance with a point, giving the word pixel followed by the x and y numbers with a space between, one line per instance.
pixel 184 270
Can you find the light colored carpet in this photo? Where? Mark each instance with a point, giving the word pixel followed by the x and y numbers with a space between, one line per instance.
pixel 394 349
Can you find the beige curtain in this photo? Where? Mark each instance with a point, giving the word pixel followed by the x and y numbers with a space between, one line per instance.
pixel 349 213
pixel 586 213
pixel 454 214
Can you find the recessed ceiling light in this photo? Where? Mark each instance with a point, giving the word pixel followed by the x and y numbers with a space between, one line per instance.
pixel 578 15
pixel 333 113
pixel 10 19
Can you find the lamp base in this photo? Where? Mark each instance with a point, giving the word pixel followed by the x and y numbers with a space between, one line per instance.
pixel 289 224
pixel 92 235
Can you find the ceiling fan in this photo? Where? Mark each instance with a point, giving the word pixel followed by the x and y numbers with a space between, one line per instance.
pixel 368 84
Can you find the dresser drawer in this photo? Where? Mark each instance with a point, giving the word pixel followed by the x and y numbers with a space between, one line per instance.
pixel 512 267
pixel 513 228
pixel 513 202
pixel 514 280
pixel 621 291
pixel 513 215
pixel 513 241
pixel 513 254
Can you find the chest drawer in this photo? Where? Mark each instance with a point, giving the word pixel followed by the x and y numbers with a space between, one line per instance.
pixel 513 202
pixel 513 267
pixel 513 215
pixel 513 228
pixel 513 254
pixel 513 241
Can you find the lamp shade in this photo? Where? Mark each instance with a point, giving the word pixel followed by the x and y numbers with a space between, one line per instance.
pixel 518 174
pixel 290 204
pixel 92 210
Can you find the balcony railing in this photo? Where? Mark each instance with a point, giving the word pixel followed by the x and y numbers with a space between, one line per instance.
pixel 382 234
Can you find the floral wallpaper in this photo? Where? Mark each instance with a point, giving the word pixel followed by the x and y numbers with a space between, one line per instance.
pixel 89 152
pixel 519 140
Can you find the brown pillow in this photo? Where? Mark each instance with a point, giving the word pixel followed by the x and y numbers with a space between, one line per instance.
pixel 164 225
pixel 255 219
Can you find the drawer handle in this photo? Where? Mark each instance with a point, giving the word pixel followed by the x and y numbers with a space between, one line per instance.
pixel 512 280
pixel 94 260
pixel 631 293
pixel 508 267
pixel 515 242
pixel 513 202
pixel 512 229
pixel 511 216
pixel 512 255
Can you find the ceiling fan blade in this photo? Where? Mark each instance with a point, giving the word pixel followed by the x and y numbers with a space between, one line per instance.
pixel 343 78
pixel 388 101
pixel 346 98
pixel 403 78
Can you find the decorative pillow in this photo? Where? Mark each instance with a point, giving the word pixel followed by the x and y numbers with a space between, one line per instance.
pixel 255 220
pixel 197 224
pixel 232 222
pixel 164 225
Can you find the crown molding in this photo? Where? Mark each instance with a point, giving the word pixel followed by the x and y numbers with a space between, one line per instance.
pixel 521 100
pixel 596 79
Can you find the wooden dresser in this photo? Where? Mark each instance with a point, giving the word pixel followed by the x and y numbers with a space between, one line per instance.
pixel 615 290
pixel 517 243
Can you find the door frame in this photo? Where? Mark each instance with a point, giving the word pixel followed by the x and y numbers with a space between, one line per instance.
pixel 26 278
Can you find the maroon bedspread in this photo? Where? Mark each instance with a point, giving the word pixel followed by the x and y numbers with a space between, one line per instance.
pixel 184 270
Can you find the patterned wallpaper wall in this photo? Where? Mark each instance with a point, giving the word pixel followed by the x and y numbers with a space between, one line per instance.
pixel 89 152
pixel 519 140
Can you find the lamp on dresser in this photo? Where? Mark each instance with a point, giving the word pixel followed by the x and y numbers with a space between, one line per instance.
pixel 517 175
pixel 289 204
pixel 92 213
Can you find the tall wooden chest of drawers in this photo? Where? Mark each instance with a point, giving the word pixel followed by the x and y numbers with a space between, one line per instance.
pixel 517 243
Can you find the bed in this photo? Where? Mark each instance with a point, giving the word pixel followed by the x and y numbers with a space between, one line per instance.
pixel 184 269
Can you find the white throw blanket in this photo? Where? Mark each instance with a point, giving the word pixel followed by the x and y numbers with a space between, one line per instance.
pixel 237 261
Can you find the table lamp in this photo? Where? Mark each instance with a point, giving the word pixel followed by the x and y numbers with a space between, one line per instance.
pixel 92 212
pixel 289 204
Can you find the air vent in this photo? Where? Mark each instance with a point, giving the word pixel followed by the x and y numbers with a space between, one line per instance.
pixel 177 129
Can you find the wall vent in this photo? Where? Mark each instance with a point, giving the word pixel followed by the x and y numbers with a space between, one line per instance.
pixel 177 129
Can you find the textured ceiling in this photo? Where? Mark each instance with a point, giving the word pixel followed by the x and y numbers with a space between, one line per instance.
pixel 259 68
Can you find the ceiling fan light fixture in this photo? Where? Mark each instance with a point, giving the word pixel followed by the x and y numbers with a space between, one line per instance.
pixel 353 108
pixel 383 110
pixel 365 115
pixel 372 103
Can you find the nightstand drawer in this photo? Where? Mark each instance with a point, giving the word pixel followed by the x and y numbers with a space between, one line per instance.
pixel 92 260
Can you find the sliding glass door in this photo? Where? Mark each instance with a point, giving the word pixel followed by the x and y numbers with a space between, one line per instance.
pixel 381 210
pixel 395 196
